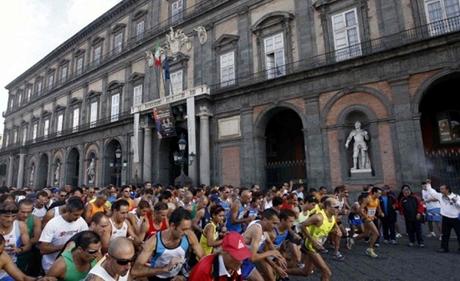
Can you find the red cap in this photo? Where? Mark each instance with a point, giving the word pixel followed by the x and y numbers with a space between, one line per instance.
pixel 233 244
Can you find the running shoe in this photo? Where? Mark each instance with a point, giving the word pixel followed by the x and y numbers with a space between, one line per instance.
pixel 350 243
pixel 371 253
pixel 421 245
pixel 431 234
pixel 410 244
pixel 338 256
pixel 377 245
pixel 398 235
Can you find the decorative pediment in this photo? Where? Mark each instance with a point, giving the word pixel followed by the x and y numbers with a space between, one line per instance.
pixel 51 70
pixel 93 94
pixel 225 40
pixel 24 123
pixel 139 14
pixel 136 76
pixel 97 40
pixel 46 113
pixel 79 52
pixel 271 19
pixel 321 3
pixel 63 62
pixel 59 108
pixel 118 27
pixel 75 101
pixel 114 85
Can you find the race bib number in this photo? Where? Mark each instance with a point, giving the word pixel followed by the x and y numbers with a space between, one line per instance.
pixel 371 212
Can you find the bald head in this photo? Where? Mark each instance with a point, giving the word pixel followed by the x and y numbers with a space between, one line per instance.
pixel 121 247
pixel 245 196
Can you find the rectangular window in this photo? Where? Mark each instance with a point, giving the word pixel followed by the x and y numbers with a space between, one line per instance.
pixel 19 98
pixel 50 81
pixel 29 93
pixel 347 43
pixel 97 54
pixel 93 114
pixel 137 95
pixel 39 87
pixel 177 8
pixel 140 30
pixel 35 131
pixel 64 73
pixel 176 82
pixel 227 69
pixel 15 136
pixel 274 56
pixel 11 102
pixel 24 135
pixel 60 123
pixel 76 119
pixel 118 43
pixel 79 69
pixel 115 109
pixel 442 16
pixel 7 139
pixel 46 127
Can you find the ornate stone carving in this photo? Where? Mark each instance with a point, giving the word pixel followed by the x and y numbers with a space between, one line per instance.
pixel 361 162
pixel 202 34
pixel 176 40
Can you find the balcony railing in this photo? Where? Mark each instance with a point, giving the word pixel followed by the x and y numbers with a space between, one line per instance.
pixel 69 131
pixel 365 48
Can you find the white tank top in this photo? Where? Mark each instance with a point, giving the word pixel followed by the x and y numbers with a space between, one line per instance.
pixel 264 235
pixel 119 232
pixel 99 271
pixel 56 211
pixel 12 239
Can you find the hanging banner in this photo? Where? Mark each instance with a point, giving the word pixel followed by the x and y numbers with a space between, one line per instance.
pixel 136 138
pixel 164 121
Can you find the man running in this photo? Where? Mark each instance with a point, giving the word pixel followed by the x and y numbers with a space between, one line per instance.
pixel 168 248
pixel 370 209
pixel 119 221
pixel 60 229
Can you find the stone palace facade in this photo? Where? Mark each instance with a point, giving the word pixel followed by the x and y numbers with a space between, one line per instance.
pixel 263 91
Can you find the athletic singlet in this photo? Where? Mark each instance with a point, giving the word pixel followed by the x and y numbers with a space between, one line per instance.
pixel 237 227
pixel 100 271
pixel 119 232
pixel 280 237
pixel 320 233
pixel 371 207
pixel 204 241
pixel 261 245
pixel 341 203
pixel 72 273
pixel 12 239
pixel 163 255
pixel 56 212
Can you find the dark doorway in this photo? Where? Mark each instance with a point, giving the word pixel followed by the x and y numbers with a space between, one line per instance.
pixel 440 124
pixel 42 171
pixel 169 170
pixel 285 151
pixel 114 162
pixel 73 166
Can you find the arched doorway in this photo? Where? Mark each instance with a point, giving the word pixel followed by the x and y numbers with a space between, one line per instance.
pixel 113 160
pixel 42 177
pixel 284 147
pixel 73 167
pixel 440 125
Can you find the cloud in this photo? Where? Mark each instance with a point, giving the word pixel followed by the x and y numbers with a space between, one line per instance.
pixel 31 29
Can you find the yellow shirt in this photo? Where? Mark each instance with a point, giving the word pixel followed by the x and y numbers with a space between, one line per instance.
pixel 321 232
pixel 204 241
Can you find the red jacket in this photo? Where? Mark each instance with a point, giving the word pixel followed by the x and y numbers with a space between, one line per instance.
pixel 208 270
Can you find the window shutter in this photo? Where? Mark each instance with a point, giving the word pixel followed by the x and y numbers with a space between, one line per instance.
pixel 115 107
pixel 137 99
pixel 76 119
pixel 93 114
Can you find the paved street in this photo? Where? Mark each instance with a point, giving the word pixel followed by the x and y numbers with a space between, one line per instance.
pixel 396 263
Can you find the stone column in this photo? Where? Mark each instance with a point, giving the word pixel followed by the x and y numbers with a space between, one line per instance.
pixel 252 165
pixel 9 180
pixel 81 166
pixel 191 133
pixel 21 170
pixel 147 159
pixel 205 166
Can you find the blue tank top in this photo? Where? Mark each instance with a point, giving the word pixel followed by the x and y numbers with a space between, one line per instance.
pixel 237 226
pixel 280 237
pixel 163 255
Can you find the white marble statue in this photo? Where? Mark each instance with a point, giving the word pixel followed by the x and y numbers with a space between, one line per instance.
pixel 91 170
pixel 176 40
pixel 32 173
pixel 202 35
pixel 361 162
pixel 57 173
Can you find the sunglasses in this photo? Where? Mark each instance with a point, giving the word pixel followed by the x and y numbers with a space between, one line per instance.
pixel 336 207
pixel 122 261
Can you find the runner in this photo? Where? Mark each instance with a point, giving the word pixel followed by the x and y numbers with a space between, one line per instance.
pixel 318 227
pixel 75 263
pixel 98 205
pixel 168 247
pixel 59 230
pixel 370 209
pixel 209 239
pixel 120 225
pixel 236 219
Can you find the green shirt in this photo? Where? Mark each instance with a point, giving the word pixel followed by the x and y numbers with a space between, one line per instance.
pixel 72 273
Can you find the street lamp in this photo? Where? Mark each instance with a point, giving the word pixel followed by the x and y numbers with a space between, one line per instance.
pixel 117 164
pixel 180 159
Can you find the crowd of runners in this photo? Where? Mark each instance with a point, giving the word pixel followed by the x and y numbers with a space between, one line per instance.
pixel 205 233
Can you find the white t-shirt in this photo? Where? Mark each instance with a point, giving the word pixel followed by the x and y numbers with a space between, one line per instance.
pixel 430 205
pixel 57 232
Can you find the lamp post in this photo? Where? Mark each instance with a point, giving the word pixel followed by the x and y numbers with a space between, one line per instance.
pixel 181 159
pixel 117 164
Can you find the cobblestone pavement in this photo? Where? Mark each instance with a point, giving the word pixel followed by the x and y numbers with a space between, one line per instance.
pixel 395 263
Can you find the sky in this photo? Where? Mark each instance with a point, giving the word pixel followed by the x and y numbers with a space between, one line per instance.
pixel 31 29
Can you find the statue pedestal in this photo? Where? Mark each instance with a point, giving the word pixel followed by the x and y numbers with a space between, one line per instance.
pixel 361 173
